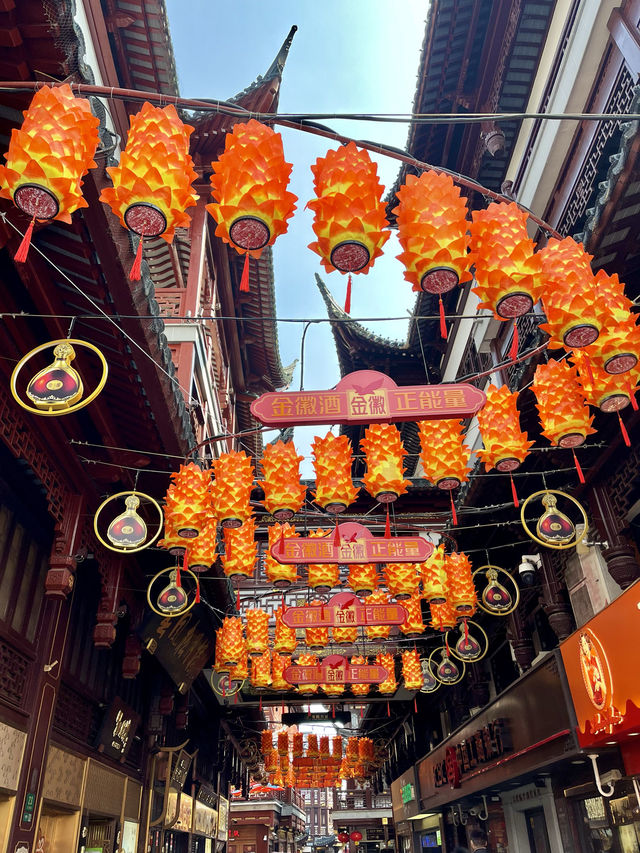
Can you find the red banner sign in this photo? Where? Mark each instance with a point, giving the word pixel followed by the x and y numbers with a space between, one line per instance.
pixel 335 669
pixel 357 545
pixel 344 609
pixel 367 396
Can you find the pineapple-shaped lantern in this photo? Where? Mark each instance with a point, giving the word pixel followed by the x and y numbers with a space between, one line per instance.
pixel 389 684
pixel 461 590
pixel 412 670
pixel 384 452
pixel 283 492
pixel 402 580
pixel 284 641
pixel 279 574
pixel 505 445
pixel 240 550
pixel 443 454
pixel 413 624
pixel 278 665
pixel 231 491
pixel 332 464
pixel 257 631
pixel 188 500
pixel 322 577
pixel 561 405
pixel 363 578
pixel 377 632
pixel 434 576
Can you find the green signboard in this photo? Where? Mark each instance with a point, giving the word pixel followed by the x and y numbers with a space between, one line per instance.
pixel 408 793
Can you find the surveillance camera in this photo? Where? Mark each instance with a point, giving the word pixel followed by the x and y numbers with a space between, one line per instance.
pixel 527 569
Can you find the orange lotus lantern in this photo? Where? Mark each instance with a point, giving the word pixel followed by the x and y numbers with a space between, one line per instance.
pixel 298 745
pixel 359 689
pixel 261 670
pixel 413 625
pixel 232 641
pixel 432 229
pixel 443 616
pixel 332 464
pixel 377 632
pixel 257 631
pixel 220 653
pixel 283 492
pixel 322 577
pixel 266 742
pixel 434 576
pixel 560 403
pixel 313 750
pixel 443 454
pixel 47 157
pixel 240 550
pixel 402 580
pixel 384 452
pixel 203 549
pixel 278 574
pixel 285 637
pixel 188 500
pixel 349 214
pixel 507 270
pixel 411 670
pixel 271 761
pixel 344 636
pixel 239 672
pixel 389 685
pixel 607 392
pixel 366 752
pixel 284 762
pixel 152 183
pixel 171 542
pixel 336 748
pixel 505 445
pixel 307 660
pixel 461 590
pixel 575 311
pixel 617 350
pixel 249 185
pixel 333 689
pixel 317 638
pixel 363 578
pixel 352 753
pixel 283 743
pixel 231 490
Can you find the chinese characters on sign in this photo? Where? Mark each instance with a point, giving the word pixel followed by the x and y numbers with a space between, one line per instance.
pixel 357 545
pixel 335 670
pixel 367 396
pixel 118 728
pixel 344 609
pixel 483 746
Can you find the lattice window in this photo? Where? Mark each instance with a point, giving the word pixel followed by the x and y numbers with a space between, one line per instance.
pixel 76 716
pixel 14 670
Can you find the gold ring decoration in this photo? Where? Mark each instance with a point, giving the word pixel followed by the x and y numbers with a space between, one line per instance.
pixel 468 649
pixel 222 684
pixel 175 598
pixel 447 662
pixel 554 529
pixel 495 598
pixel 128 527
pixel 57 389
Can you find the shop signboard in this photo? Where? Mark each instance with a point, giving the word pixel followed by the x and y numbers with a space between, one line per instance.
pixel 404 796
pixel 366 397
pixel 182 646
pixel 118 728
pixel 528 725
pixel 355 544
pixel 344 609
pixel 602 663
pixel 223 818
pixel 335 669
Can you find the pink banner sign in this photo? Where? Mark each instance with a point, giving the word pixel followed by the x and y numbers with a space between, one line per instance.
pixel 344 610
pixel 357 545
pixel 335 669
pixel 367 396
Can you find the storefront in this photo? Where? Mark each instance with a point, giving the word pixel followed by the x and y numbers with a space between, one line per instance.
pixel 602 663
pixel 405 802
pixel 205 820
pixel 494 772
pixel 12 742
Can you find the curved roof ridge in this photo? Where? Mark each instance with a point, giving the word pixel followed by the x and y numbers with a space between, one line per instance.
pixel 274 72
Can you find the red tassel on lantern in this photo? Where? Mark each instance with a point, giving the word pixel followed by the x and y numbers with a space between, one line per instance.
pixel 136 270
pixel 347 301
pixel 578 468
pixel 516 502
pixel 443 321
pixel 623 430
pixel 244 281
pixel 513 351
pixel 23 248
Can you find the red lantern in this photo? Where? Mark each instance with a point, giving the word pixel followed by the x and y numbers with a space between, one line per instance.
pixel 356 836
pixel 343 837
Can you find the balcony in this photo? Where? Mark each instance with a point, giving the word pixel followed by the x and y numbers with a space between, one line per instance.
pixel 359 806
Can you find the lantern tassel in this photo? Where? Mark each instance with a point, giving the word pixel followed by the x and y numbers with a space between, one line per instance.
pixel 514 494
pixel 244 281
pixel 136 270
pixel 238 599
pixel 454 516
pixel 261 702
pixel 632 396
pixel 347 299
pixel 415 705
pixel 578 468
pixel 23 249
pixel 336 536
pixel 281 541
pixel 624 432
pixel 197 590
pixel 387 526
pixel 443 322
pixel 388 709
pixel 515 343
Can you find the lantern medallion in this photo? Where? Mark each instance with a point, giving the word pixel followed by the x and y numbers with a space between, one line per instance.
pixel 250 233
pixel 128 532
pixel 145 219
pixel 553 528
pixel 172 599
pixel 439 280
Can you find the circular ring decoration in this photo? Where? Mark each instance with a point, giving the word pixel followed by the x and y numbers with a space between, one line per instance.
pixel 124 549
pixel 223 686
pixel 169 589
pixel 445 658
pixel 548 515
pixel 471 655
pixel 496 598
pixel 439 280
pixel 36 201
pixel 72 406
pixel 145 219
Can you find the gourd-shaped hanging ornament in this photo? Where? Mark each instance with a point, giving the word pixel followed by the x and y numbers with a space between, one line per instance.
pixel 553 525
pixel 59 385
pixel 429 682
pixel 173 598
pixel 495 597
pixel 128 530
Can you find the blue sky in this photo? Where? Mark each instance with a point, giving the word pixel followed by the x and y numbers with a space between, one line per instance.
pixel 347 56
